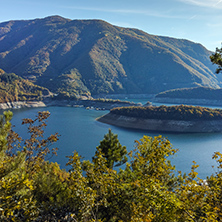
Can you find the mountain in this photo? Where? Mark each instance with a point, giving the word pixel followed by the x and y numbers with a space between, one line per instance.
pixel 14 88
pixel 84 57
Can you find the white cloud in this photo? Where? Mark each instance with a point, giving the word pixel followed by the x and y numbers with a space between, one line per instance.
pixel 217 4
pixel 192 17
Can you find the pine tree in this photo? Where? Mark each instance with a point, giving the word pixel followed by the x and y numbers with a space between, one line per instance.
pixel 112 150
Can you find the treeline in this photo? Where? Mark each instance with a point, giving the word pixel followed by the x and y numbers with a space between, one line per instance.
pixel 146 188
pixel 14 88
pixel 180 112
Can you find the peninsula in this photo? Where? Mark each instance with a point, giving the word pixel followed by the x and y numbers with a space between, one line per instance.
pixel 182 118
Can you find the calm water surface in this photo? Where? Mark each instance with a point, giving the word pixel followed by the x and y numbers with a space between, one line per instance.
pixel 80 131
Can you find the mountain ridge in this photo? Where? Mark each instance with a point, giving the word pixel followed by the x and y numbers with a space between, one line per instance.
pixel 84 57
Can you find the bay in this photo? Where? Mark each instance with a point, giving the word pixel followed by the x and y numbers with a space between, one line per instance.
pixel 80 131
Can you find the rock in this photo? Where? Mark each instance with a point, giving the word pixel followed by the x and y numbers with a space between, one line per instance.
pixel 22 104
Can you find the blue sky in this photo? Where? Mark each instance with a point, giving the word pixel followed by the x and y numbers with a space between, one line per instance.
pixel 196 20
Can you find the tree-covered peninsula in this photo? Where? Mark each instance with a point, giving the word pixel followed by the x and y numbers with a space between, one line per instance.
pixel 180 112
pixel 179 119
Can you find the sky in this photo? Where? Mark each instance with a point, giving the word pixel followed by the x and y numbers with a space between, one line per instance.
pixel 199 21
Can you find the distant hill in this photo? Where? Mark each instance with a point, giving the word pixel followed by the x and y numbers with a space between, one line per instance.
pixel 192 93
pixel 84 57
pixel 14 88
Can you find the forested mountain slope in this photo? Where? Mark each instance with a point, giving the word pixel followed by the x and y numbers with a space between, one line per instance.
pixel 14 88
pixel 83 57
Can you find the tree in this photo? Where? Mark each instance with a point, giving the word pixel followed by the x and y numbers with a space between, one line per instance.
pixel 16 199
pixel 22 166
pixel 51 192
pixel 216 58
pixel 112 150
pixel 214 195
pixel 37 147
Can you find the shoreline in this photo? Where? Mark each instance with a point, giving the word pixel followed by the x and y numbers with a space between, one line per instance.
pixel 157 125
pixel 198 102
pixel 22 104
pixel 92 104
pixel 89 104
pixel 173 126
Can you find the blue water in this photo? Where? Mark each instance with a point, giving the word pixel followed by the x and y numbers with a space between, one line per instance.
pixel 80 131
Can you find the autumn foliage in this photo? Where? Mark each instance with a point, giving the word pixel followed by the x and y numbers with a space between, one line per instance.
pixel 14 88
pixel 146 188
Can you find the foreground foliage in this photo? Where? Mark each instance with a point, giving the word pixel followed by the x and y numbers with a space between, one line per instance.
pixel 146 188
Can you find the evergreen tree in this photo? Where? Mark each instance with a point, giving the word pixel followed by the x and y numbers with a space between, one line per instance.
pixel 216 58
pixel 112 150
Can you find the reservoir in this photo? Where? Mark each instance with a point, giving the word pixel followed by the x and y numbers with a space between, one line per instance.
pixel 80 131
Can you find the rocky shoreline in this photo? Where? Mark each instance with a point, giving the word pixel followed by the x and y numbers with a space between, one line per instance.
pixel 171 126
pixel 21 104
pixel 89 104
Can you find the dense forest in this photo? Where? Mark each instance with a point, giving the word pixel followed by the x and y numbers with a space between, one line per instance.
pixel 180 112
pixel 147 187
pixel 14 88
